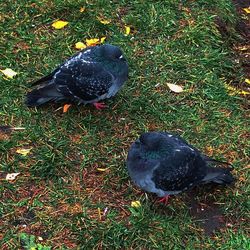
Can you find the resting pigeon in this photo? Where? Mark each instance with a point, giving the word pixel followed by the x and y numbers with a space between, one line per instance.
pixel 165 164
pixel 94 74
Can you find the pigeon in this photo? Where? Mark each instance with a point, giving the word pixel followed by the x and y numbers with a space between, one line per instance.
pixel 165 164
pixel 94 74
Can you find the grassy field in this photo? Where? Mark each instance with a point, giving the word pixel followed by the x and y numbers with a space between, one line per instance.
pixel 62 199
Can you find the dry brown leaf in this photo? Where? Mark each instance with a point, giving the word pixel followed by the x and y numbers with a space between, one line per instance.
pixel 66 108
pixel 102 169
pixel 9 73
pixel 82 9
pixel 175 88
pixel 11 176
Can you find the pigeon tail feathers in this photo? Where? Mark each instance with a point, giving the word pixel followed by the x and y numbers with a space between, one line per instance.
pixel 43 94
pixel 44 80
pixel 219 176
pixel 211 160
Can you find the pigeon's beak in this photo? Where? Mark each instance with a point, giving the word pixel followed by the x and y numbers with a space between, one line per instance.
pixel 121 57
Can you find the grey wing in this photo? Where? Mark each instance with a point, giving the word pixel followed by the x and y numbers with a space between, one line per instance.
pixel 179 141
pixel 185 169
pixel 83 80
pixel 182 143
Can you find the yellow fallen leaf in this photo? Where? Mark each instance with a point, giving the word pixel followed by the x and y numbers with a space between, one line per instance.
pixel 242 48
pixel 9 72
pixel 127 30
pixel 80 45
pixel 102 169
pixel 247 10
pixel 59 24
pixel 247 81
pixel 99 213
pixel 95 41
pixel 11 177
pixel 243 92
pixel 232 90
pixel 103 39
pixel 136 204
pixel 23 151
pixel 235 91
pixel 82 9
pixel 66 107
pixel 175 88
pixel 104 21
pixel 92 41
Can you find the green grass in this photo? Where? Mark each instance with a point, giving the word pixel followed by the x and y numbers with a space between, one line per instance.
pixel 60 192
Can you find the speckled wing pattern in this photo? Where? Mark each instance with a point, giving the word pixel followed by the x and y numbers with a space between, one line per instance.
pixel 179 140
pixel 83 79
pixel 165 164
pixel 179 171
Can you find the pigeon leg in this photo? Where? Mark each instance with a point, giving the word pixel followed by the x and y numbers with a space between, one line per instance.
pixel 99 105
pixel 164 200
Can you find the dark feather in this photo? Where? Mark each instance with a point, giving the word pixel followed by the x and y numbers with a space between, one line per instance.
pixel 42 95
pixel 164 163
pixel 93 74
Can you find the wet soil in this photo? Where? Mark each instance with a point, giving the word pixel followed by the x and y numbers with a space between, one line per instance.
pixel 206 214
pixel 243 28
pixel 241 47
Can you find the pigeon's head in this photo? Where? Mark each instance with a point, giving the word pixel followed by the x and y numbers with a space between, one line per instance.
pixel 152 140
pixel 111 52
pixel 136 160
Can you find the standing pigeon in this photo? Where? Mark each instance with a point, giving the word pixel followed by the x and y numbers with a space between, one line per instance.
pixel 164 164
pixel 94 74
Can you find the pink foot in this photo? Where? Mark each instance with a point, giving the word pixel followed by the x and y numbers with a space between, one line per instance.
pixel 100 105
pixel 164 200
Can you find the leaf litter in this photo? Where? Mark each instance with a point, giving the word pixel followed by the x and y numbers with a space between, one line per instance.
pixel 9 73
pixel 23 151
pixel 59 24
pixel 11 176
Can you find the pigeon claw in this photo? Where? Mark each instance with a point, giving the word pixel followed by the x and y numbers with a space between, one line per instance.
pixel 164 200
pixel 100 105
